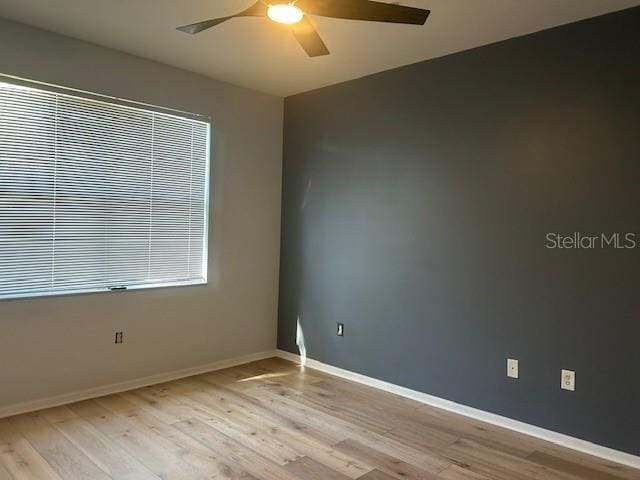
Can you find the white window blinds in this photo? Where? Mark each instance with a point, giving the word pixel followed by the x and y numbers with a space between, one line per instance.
pixel 97 195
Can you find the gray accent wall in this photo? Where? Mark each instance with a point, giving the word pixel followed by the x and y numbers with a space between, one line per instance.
pixel 60 345
pixel 416 205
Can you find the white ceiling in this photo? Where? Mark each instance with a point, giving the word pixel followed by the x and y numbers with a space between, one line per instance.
pixel 262 55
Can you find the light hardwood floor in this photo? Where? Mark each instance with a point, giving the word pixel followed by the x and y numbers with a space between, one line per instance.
pixel 272 420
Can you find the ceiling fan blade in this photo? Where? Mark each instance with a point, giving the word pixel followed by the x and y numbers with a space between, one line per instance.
pixel 365 10
pixel 258 9
pixel 200 26
pixel 309 39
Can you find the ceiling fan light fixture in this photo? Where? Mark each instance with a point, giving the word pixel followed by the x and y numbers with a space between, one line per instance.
pixel 286 13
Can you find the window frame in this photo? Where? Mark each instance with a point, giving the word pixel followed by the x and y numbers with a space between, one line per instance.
pixel 144 107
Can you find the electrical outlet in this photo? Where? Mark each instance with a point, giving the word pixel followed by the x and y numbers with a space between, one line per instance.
pixel 119 337
pixel 512 368
pixel 568 380
pixel 340 330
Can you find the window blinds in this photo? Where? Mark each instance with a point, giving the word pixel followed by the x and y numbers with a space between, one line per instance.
pixel 97 195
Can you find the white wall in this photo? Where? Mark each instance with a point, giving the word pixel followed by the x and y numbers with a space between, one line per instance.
pixel 57 345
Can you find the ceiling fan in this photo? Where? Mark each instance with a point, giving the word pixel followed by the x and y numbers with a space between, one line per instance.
pixel 295 13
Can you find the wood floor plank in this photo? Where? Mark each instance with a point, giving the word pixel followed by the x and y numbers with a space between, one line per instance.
pixel 389 404
pixel 391 466
pixel 227 405
pixel 231 398
pixel 274 420
pixel 574 457
pixel 374 422
pixel 426 460
pixel 375 418
pixel 64 457
pixel 116 403
pixel 334 431
pixel 204 460
pixel 499 464
pixel 251 461
pixel 109 456
pixel 231 421
pixel 273 370
pixel 463 427
pixel 377 475
pixel 58 414
pixel 160 404
pixel 18 457
pixel 421 436
pixel 289 444
pixel 309 469
pixel 156 453
pixel 455 472
pixel 88 409
pixel 4 473
pixel 254 438
pixel 585 460
pixel 567 466
pixel 387 398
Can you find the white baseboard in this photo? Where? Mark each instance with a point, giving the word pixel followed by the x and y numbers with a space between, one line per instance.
pixel 56 401
pixel 498 420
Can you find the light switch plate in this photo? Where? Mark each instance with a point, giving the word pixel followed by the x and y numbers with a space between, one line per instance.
pixel 512 368
pixel 568 380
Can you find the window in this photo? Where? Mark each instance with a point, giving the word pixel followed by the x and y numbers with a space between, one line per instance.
pixel 96 195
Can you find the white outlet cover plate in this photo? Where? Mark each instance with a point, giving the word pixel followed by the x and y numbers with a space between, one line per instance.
pixel 568 380
pixel 512 368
